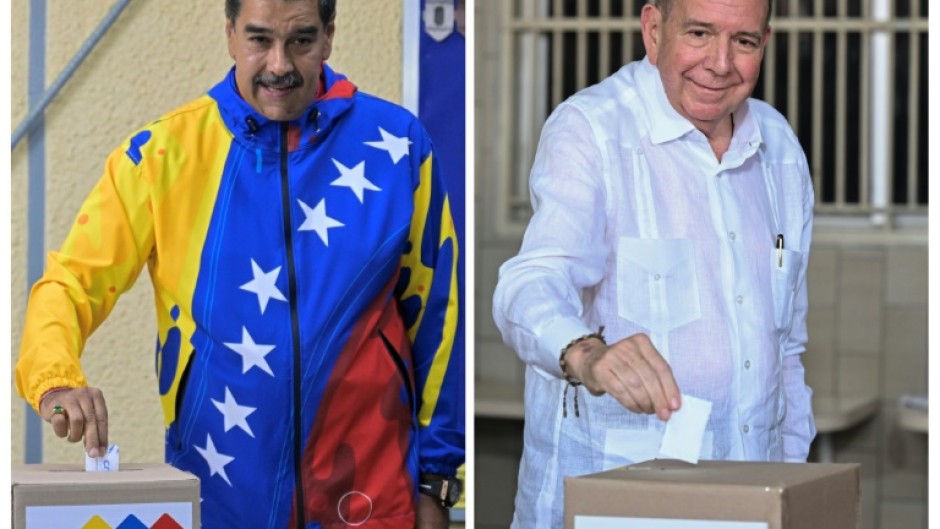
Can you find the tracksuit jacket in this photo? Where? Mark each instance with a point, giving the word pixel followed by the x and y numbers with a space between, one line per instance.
pixel 306 297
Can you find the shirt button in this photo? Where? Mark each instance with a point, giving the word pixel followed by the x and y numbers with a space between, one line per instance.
pixel 746 428
pixel 657 277
pixel 747 364
pixel 731 235
pixel 739 299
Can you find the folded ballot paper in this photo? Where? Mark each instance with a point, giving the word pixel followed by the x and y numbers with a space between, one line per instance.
pixel 109 462
pixel 685 430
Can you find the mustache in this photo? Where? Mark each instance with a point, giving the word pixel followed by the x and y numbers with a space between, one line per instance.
pixel 288 80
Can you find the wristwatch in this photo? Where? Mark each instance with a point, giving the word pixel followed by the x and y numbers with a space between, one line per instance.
pixel 444 490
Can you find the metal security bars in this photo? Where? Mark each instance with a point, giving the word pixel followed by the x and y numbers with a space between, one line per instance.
pixel 850 75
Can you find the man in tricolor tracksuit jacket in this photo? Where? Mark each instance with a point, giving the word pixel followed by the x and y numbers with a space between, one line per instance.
pixel 303 260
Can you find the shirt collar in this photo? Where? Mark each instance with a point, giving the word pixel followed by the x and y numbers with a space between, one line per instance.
pixel 747 137
pixel 670 125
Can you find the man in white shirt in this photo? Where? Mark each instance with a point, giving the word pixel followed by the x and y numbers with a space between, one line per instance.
pixel 677 213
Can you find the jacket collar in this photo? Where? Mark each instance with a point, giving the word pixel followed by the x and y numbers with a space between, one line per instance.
pixel 252 129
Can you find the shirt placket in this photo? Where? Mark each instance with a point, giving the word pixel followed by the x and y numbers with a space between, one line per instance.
pixel 741 300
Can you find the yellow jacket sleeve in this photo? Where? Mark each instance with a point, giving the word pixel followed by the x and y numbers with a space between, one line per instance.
pixel 102 256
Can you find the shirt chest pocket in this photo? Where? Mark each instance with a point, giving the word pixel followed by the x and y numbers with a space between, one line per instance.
pixel 784 277
pixel 656 283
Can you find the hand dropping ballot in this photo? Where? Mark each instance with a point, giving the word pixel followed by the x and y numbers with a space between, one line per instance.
pixel 685 430
pixel 109 462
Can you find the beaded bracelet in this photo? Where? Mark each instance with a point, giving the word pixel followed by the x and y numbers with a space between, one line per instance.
pixel 573 382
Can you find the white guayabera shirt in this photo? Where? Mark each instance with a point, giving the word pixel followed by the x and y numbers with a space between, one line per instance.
pixel 638 227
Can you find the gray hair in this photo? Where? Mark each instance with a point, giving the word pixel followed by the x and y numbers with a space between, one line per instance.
pixel 665 7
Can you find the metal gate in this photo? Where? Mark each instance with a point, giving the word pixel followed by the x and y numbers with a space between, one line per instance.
pixel 850 75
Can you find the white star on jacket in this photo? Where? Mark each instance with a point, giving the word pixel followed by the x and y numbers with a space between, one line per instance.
pixel 234 414
pixel 354 179
pixel 264 285
pixel 216 460
pixel 395 147
pixel 252 354
pixel 318 221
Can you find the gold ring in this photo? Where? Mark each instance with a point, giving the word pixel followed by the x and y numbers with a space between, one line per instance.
pixel 56 410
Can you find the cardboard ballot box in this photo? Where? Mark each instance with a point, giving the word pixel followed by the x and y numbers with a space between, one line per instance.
pixel 152 496
pixel 670 494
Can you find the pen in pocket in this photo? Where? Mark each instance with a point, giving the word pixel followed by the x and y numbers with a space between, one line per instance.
pixel 780 250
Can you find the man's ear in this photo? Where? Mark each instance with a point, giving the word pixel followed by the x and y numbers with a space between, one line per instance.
pixel 328 35
pixel 766 38
pixel 651 21
pixel 230 37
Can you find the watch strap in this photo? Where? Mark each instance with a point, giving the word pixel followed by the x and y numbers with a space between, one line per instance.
pixel 439 489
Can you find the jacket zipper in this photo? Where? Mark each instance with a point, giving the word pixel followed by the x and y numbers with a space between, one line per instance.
pixel 295 330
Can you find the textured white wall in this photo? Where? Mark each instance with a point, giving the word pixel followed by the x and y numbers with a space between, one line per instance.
pixel 158 55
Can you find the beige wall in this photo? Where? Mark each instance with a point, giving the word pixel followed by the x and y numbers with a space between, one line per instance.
pixel 157 56
pixel 868 335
